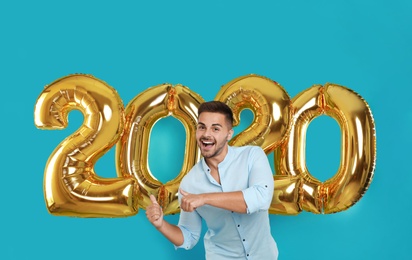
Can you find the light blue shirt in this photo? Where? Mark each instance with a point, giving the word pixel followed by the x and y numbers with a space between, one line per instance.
pixel 232 235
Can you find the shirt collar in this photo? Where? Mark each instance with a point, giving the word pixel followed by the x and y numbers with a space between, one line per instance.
pixel 225 161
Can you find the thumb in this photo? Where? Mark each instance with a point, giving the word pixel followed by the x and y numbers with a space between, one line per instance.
pixel 153 199
pixel 184 193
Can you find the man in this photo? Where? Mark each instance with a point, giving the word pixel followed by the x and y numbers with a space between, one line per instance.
pixel 230 188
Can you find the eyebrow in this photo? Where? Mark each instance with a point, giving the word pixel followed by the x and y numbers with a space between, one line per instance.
pixel 200 123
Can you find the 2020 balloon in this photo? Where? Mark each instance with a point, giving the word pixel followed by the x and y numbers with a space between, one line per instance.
pixel 72 188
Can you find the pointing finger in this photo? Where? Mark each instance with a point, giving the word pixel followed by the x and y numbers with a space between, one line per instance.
pixel 184 193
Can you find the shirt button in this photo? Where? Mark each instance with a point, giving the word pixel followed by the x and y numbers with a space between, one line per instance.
pixel 238 225
pixel 247 255
pixel 244 239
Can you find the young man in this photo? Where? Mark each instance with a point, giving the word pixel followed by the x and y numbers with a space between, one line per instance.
pixel 230 188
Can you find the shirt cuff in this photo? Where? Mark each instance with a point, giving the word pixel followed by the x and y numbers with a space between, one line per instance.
pixel 186 242
pixel 256 199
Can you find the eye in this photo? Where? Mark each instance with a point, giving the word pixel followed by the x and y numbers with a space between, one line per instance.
pixel 200 127
pixel 216 129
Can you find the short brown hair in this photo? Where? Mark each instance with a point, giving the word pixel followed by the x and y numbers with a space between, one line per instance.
pixel 217 107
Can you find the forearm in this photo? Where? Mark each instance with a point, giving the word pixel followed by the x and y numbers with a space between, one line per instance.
pixel 172 233
pixel 232 201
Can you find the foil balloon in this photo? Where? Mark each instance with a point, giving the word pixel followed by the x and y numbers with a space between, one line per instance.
pixel 71 186
pixel 286 195
pixel 358 148
pixel 132 151
pixel 270 105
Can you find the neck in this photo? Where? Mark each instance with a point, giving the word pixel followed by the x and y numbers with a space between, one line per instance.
pixel 214 161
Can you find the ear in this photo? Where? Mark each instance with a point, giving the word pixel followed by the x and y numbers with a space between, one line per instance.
pixel 229 136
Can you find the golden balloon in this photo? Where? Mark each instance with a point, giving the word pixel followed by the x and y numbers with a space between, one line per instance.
pixel 270 104
pixel 358 148
pixel 132 151
pixel 71 187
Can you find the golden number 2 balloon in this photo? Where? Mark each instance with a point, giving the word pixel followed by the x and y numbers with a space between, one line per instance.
pixel 71 187
pixel 132 151
pixel 271 107
pixel 270 104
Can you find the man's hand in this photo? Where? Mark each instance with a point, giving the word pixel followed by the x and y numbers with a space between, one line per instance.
pixel 154 213
pixel 190 202
pixel 232 201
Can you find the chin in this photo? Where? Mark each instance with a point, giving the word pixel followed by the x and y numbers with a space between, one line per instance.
pixel 207 155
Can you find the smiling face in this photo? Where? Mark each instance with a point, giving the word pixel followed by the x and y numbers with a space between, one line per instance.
pixel 212 133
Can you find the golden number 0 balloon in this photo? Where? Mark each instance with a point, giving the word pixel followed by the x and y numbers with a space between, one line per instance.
pixel 358 153
pixel 132 151
pixel 71 186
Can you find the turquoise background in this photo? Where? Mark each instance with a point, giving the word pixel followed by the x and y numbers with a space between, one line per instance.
pixel 363 45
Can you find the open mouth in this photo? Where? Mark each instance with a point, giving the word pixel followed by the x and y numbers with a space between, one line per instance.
pixel 207 143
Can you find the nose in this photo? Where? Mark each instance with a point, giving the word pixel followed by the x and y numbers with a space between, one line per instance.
pixel 207 132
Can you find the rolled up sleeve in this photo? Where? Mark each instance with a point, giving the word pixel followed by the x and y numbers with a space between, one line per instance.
pixel 258 195
pixel 190 239
pixel 190 223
